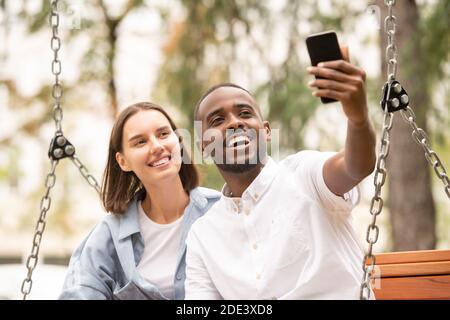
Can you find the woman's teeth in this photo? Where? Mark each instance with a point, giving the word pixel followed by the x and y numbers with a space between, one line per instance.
pixel 160 162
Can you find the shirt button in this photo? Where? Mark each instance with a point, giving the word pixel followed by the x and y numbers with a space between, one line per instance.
pixel 247 211
pixel 256 196
pixel 274 298
pixel 178 276
pixel 258 276
pixel 255 246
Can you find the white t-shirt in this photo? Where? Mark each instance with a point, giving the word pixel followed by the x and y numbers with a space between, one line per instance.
pixel 159 259
pixel 287 237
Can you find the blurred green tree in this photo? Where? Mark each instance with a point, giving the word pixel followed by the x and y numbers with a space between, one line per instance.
pixel 423 43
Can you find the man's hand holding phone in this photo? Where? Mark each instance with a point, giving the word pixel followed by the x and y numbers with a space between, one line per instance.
pixel 340 80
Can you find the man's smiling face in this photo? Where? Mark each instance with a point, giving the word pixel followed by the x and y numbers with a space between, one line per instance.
pixel 234 133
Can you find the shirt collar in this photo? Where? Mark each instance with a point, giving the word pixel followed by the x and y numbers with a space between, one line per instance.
pixel 129 221
pixel 258 187
pixel 198 198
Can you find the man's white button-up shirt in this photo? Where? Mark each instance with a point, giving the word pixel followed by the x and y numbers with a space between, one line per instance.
pixel 287 237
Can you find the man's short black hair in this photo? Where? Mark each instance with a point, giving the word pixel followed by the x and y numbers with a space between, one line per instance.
pixel 213 88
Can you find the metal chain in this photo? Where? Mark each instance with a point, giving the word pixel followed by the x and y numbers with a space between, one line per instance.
pixel 391 49
pixel 39 230
pixel 55 45
pixel 376 204
pixel 85 173
pixel 57 91
pixel 421 138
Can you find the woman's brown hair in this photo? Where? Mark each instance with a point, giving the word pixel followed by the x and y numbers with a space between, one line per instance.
pixel 120 187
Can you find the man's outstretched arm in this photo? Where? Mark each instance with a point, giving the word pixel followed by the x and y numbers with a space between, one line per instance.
pixel 346 83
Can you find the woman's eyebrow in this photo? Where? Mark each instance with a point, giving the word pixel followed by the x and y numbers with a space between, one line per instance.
pixel 162 128
pixel 140 135
pixel 135 137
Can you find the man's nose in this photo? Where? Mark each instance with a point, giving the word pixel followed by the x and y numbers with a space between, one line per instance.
pixel 235 122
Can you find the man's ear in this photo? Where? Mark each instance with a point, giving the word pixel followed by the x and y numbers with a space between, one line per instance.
pixel 199 145
pixel 268 130
pixel 201 148
pixel 123 164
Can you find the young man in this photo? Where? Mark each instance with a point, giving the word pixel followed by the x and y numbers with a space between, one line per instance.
pixel 281 230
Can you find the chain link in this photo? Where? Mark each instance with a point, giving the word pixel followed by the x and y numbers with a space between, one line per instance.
pixel 55 45
pixel 421 138
pixel 391 49
pixel 40 227
pixel 85 173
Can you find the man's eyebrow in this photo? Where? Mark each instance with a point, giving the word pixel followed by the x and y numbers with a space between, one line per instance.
pixel 213 113
pixel 244 105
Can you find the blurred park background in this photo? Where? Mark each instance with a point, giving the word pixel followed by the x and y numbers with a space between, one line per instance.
pixel 115 53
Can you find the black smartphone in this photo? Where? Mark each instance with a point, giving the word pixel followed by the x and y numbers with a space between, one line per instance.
pixel 321 47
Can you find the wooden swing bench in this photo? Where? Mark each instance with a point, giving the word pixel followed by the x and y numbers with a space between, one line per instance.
pixel 413 275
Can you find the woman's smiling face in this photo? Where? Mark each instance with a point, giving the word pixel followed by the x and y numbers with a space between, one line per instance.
pixel 150 147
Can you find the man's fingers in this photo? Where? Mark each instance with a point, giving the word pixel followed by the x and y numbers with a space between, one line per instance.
pixel 330 84
pixel 343 66
pixel 330 73
pixel 345 53
pixel 329 93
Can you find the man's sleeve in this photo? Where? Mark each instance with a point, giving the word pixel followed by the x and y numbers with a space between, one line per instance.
pixel 198 285
pixel 309 169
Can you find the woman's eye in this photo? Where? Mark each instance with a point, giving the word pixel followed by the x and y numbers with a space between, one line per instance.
pixel 140 142
pixel 164 134
pixel 245 114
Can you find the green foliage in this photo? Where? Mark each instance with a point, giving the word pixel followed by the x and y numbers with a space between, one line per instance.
pixel 435 41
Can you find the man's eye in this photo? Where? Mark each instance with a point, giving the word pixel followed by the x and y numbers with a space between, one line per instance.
pixel 245 113
pixel 216 121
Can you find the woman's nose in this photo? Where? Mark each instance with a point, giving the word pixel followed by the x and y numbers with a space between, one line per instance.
pixel 156 146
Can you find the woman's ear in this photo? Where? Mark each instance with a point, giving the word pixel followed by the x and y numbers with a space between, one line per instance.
pixel 123 163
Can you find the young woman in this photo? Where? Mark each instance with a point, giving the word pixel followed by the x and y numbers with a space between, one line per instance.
pixel 138 251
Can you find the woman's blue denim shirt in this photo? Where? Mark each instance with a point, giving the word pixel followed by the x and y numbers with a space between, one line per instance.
pixel 104 265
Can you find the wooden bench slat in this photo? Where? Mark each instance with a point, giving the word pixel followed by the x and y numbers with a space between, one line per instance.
pixel 415 269
pixel 414 288
pixel 412 256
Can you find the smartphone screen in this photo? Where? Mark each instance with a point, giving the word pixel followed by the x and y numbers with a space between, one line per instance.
pixel 323 46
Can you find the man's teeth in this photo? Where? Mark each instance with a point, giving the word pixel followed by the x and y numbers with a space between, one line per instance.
pixel 238 140
pixel 160 162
